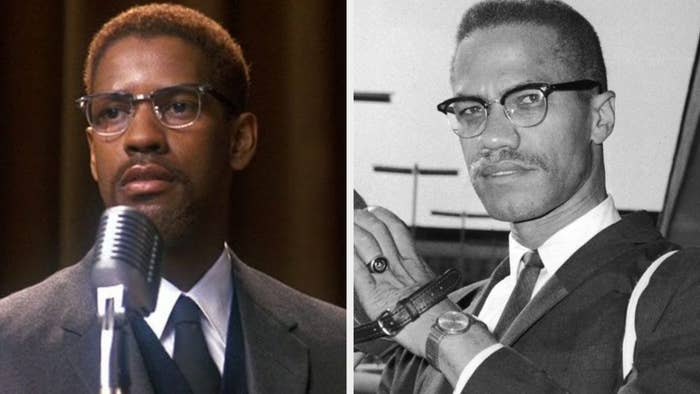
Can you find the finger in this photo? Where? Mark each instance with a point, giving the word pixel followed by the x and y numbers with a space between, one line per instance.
pixel 367 248
pixel 403 240
pixel 380 235
pixel 372 292
pixel 398 230
pixel 362 279
pixel 366 245
pixel 364 286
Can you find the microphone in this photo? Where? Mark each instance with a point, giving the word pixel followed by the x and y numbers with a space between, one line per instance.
pixel 126 273
pixel 127 257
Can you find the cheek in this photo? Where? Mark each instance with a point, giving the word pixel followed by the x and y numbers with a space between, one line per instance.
pixel 205 158
pixel 469 152
pixel 572 151
pixel 106 166
pixel 104 161
pixel 569 161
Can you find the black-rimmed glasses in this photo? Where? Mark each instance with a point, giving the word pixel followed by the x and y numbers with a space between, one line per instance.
pixel 524 106
pixel 176 107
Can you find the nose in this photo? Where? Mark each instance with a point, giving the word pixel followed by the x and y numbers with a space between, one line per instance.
pixel 499 132
pixel 145 133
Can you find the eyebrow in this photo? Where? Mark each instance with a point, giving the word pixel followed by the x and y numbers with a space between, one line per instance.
pixel 507 89
pixel 114 92
pixel 127 90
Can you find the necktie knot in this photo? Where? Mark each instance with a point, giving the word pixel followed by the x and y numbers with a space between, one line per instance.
pixel 185 311
pixel 532 259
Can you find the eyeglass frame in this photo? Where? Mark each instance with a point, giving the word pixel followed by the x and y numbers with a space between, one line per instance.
pixel 201 89
pixel 545 88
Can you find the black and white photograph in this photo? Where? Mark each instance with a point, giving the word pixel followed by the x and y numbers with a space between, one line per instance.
pixel 526 196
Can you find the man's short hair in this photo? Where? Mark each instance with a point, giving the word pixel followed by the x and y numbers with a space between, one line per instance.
pixel 228 69
pixel 579 46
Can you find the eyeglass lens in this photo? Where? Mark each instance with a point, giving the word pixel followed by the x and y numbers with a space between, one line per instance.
pixel 175 107
pixel 523 107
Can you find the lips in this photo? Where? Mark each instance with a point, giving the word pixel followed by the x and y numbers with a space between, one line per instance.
pixel 141 179
pixel 502 169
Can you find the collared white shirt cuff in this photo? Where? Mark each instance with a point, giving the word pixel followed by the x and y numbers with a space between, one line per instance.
pixel 471 367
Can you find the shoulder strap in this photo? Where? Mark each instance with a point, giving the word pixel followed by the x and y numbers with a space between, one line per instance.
pixel 630 337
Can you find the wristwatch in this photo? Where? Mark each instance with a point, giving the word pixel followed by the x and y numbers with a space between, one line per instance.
pixel 449 323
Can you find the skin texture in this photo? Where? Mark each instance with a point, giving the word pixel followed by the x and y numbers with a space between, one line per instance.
pixel 539 178
pixel 181 179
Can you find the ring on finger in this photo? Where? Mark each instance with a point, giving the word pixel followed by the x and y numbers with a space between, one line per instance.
pixel 378 264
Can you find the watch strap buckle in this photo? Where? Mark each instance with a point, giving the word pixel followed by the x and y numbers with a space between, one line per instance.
pixel 390 322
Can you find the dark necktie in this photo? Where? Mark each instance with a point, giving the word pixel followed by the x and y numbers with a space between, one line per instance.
pixel 521 292
pixel 191 353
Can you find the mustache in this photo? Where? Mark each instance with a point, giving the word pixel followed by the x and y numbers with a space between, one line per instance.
pixel 144 159
pixel 494 157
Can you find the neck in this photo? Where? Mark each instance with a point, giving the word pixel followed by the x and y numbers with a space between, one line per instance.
pixel 188 258
pixel 185 264
pixel 532 234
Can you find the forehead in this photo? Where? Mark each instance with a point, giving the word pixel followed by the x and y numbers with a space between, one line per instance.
pixel 145 63
pixel 491 60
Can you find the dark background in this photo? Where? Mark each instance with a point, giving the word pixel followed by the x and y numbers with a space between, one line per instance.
pixel 289 216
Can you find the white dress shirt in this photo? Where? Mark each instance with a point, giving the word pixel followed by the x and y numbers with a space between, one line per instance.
pixel 553 252
pixel 212 294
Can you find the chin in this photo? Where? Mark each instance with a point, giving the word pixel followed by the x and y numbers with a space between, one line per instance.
pixel 514 207
pixel 173 222
pixel 510 214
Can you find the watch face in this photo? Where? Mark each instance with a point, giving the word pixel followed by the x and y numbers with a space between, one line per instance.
pixel 453 322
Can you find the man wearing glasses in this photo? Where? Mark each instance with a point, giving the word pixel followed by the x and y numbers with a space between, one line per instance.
pixel 532 110
pixel 166 107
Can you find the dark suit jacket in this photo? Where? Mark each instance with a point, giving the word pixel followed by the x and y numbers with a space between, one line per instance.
pixel 569 338
pixel 49 337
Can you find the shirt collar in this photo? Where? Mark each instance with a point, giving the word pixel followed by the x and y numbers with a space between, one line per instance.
pixel 212 293
pixel 565 242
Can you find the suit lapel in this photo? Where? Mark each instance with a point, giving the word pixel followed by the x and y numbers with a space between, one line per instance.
pixel 276 359
pixel 603 249
pixel 81 333
pixel 550 295
pixel 81 349
pixel 497 275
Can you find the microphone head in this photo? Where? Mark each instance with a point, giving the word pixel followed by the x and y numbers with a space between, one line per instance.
pixel 128 251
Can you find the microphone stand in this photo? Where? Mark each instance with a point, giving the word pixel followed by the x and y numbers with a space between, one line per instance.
pixel 111 314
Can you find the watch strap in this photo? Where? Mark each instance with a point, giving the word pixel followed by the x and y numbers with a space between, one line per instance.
pixel 390 322
pixel 432 345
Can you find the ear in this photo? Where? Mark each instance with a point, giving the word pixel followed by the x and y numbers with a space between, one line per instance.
pixel 91 143
pixel 603 119
pixel 243 140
